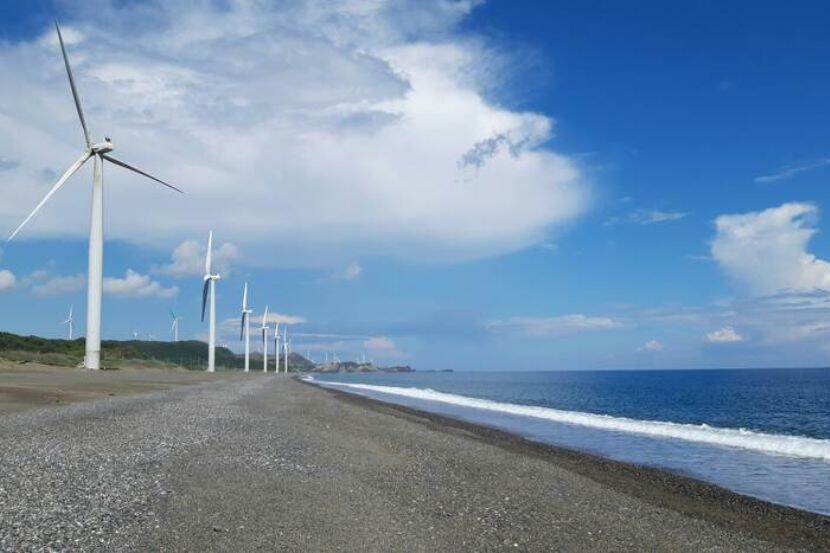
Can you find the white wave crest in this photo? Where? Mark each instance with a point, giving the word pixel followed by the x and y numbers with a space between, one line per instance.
pixel 791 446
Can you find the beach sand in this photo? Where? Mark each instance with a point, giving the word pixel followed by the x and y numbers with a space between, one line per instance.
pixel 30 385
pixel 264 463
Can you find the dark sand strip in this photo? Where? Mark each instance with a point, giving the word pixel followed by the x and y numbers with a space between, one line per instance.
pixel 325 471
pixel 778 524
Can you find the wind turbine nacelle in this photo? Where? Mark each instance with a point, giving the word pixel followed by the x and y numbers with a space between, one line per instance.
pixel 103 147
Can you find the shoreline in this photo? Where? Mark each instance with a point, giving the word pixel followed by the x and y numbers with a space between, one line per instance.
pixel 783 525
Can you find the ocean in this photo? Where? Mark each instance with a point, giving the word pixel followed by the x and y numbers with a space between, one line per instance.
pixel 761 432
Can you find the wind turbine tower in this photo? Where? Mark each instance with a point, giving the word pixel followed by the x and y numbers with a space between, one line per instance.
pixel 174 328
pixel 69 321
pixel 265 341
pixel 244 330
pixel 277 347
pixel 285 345
pixel 100 151
pixel 209 292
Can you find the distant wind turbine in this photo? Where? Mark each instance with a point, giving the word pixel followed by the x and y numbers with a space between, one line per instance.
pixel 69 321
pixel 209 290
pixel 277 347
pixel 174 328
pixel 265 341
pixel 244 331
pixel 285 345
pixel 100 151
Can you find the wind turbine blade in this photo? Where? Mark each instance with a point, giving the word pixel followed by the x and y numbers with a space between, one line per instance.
pixel 242 326
pixel 209 254
pixel 139 171
pixel 204 297
pixel 72 86
pixel 69 172
pixel 265 318
pixel 245 297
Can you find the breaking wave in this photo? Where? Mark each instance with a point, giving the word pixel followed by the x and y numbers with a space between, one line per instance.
pixel 777 444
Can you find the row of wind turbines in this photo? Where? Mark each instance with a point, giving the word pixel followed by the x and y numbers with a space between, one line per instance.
pixel 100 152
pixel 209 304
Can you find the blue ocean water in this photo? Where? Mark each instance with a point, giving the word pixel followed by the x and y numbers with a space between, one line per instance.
pixel 764 433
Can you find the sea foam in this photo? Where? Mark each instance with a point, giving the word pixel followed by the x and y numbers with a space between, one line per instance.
pixel 777 444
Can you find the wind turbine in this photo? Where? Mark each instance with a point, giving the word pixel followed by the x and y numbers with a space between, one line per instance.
pixel 209 289
pixel 265 341
pixel 69 321
pixel 277 347
pixel 244 330
pixel 285 345
pixel 174 328
pixel 100 151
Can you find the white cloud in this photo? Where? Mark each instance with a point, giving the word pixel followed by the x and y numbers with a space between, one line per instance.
pixel 381 346
pixel 136 285
pixel 766 251
pixel 653 345
pixel 346 120
pixel 57 285
pixel 553 326
pixel 7 280
pixel 350 272
pixel 790 172
pixel 280 318
pixel 647 217
pixel 725 335
pixel 188 259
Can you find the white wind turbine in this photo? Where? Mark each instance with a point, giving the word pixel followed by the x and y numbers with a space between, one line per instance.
pixel 174 328
pixel 209 290
pixel 265 341
pixel 69 321
pixel 285 345
pixel 244 330
pixel 277 347
pixel 100 151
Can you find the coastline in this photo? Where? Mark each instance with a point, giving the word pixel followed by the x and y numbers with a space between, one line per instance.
pixel 779 524
pixel 271 463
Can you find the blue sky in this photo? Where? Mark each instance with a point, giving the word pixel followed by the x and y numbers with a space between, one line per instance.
pixel 503 185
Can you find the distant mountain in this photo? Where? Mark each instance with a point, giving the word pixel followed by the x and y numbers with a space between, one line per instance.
pixel 191 354
pixel 353 367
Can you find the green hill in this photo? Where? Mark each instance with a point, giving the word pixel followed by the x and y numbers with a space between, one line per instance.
pixel 191 354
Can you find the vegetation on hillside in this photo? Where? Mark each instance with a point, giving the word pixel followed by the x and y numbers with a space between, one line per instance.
pixel 191 354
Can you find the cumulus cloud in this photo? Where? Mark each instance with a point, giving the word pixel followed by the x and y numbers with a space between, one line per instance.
pixel 136 285
pixel 350 272
pixel 344 119
pixel 381 346
pixel 280 318
pixel 652 345
pixel 56 285
pixel 725 335
pixel 7 280
pixel 188 259
pixel 553 326
pixel 766 251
